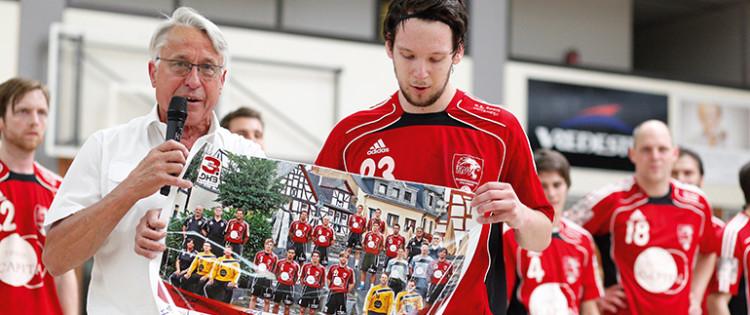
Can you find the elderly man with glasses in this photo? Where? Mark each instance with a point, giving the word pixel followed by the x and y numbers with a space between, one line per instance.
pixel 108 205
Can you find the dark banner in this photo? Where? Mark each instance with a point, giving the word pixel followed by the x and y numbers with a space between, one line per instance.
pixel 591 126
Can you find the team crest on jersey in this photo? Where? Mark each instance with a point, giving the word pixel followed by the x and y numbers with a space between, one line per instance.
pixel 685 235
pixel 467 170
pixel 572 269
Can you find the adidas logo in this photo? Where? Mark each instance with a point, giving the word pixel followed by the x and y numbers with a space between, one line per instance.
pixel 377 148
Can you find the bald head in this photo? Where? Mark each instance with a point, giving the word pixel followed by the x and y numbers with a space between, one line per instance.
pixel 653 155
pixel 651 128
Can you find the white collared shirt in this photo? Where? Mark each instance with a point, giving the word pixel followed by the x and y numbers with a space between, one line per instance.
pixel 120 280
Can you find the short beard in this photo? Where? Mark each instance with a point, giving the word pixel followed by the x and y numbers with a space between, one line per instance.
pixel 433 98
pixel 28 146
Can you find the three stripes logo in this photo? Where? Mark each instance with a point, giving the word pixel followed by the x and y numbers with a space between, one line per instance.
pixel 378 147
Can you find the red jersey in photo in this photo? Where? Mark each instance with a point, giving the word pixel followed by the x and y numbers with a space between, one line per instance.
pixel 287 272
pixel 322 235
pixel 560 278
pixel 380 223
pixel 313 276
pixel 392 243
pixel 25 284
pixel 372 242
pixel 265 261
pixel 356 223
pixel 300 231
pixel 645 232
pixel 468 144
pixel 340 278
pixel 441 271
pixel 237 231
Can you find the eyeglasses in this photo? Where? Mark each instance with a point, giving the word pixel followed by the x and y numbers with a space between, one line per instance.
pixel 183 68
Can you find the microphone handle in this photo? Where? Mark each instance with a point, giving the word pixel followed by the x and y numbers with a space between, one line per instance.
pixel 174 132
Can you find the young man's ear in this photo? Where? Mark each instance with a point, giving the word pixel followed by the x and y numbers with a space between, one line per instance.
pixel 459 54
pixel 389 48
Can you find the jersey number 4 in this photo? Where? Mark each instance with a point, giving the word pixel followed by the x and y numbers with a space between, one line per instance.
pixel 385 165
pixel 535 269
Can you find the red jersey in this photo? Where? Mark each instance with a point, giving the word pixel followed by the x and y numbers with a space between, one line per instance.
pixel 357 223
pixel 717 226
pixel 440 271
pixel 300 231
pixel 238 231
pixel 378 221
pixel 322 236
pixel 25 284
pixel 468 144
pixel 560 278
pixel 392 243
pixel 312 276
pixel 265 261
pixel 340 278
pixel 372 242
pixel 648 232
pixel 733 262
pixel 287 272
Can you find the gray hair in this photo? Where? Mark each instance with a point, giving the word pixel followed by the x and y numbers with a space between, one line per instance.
pixel 185 16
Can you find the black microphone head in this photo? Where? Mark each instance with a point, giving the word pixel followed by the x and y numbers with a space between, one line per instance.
pixel 177 108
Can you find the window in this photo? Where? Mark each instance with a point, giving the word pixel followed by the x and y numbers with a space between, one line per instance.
pixel 431 200
pixel 394 192
pixel 407 196
pixel 409 224
pixel 392 218
pixel 382 189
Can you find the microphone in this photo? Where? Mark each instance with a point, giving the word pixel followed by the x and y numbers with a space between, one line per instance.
pixel 176 115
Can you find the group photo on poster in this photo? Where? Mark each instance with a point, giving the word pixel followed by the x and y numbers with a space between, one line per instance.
pixel 257 235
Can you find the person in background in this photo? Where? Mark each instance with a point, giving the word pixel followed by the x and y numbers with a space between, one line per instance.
pixel 651 220
pixel 199 271
pixel 265 261
pixel 564 277
pixel 313 277
pixel 192 227
pixel 223 277
pixel 287 274
pixel 323 238
pixel 182 263
pixel 237 232
pixel 299 233
pixel 26 192
pixel 379 300
pixel 733 264
pixel 418 267
pixel 247 123
pixel 689 169
pixel 340 282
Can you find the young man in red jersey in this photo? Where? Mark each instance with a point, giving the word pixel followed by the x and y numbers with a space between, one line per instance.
pixel 563 278
pixel 323 238
pixel 340 282
pixel 689 169
pixel 287 274
pixel 26 191
pixel 376 219
pixel 313 279
pixel 356 223
pixel 733 263
pixel 440 272
pixel 657 228
pixel 299 233
pixel 431 132
pixel 393 242
pixel 265 261
pixel 238 232
pixel 372 243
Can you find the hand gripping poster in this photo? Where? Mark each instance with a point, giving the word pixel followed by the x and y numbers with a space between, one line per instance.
pixel 264 236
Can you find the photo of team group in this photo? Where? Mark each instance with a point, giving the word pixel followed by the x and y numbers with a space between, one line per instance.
pixel 258 236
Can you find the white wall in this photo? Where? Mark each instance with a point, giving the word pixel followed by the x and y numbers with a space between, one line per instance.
pixel 723 192
pixel 366 78
pixel 599 29
pixel 9 29
pixel 683 47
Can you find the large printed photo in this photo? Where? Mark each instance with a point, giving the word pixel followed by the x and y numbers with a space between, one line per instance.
pixel 264 236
